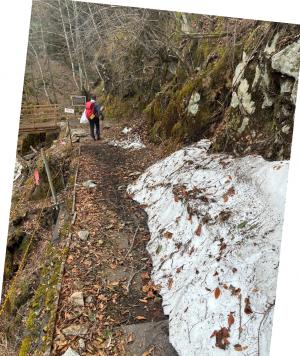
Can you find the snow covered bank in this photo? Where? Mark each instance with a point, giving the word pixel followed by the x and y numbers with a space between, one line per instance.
pixel 215 225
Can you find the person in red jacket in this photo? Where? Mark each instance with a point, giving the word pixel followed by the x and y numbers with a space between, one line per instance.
pixel 93 113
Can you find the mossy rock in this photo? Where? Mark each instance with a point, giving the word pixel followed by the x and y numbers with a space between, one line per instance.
pixel 213 85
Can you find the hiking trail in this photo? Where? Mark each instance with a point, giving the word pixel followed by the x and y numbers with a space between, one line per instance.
pixel 108 304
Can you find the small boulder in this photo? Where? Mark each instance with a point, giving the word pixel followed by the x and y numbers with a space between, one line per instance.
pixel 286 129
pixel 90 184
pixel 77 299
pixel 83 235
pixel 81 344
pixel 75 330
pixel 71 352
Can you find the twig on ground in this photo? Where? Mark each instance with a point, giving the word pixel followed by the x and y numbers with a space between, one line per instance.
pixel 74 191
pixel 132 243
pixel 132 277
pixel 74 218
pixel 240 312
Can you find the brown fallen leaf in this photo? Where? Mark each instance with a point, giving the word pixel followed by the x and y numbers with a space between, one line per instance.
pixel 130 338
pixel 217 292
pixel 230 319
pixel 170 283
pixel 221 336
pixel 140 317
pixel 70 259
pixel 230 193
pixel 198 230
pixel 248 309
pixel 143 206
pixel 145 275
pixel 149 352
pixel 238 347
pixel 168 235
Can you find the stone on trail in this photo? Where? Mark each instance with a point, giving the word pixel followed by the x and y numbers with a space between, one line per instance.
pixel 83 235
pixel 149 335
pixel 77 299
pixel 81 344
pixel 71 352
pixel 89 184
pixel 75 330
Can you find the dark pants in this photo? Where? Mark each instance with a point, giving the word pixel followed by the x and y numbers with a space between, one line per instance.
pixel 95 123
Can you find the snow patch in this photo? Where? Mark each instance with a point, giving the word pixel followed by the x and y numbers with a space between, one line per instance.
pixel 215 224
pixel 126 130
pixel 132 141
pixel 18 170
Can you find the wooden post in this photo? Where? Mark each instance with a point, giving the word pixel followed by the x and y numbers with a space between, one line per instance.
pixel 49 176
pixel 70 135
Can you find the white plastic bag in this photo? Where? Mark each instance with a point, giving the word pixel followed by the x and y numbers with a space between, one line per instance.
pixel 84 119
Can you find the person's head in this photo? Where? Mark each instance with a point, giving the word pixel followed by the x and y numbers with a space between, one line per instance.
pixel 93 97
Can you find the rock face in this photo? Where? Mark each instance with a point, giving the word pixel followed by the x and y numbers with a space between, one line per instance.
pixel 241 97
pixel 287 61
pixel 263 102
pixel 193 104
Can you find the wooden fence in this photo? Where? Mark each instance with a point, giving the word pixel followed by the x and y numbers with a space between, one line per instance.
pixel 39 118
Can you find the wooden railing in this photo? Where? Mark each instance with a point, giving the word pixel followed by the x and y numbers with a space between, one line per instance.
pixel 39 118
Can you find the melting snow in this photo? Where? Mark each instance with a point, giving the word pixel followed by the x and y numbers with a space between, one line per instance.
pixel 126 130
pixel 18 170
pixel 215 224
pixel 132 141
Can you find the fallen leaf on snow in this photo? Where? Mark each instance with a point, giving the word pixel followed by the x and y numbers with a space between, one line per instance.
pixel 217 292
pixel 230 320
pixel 198 230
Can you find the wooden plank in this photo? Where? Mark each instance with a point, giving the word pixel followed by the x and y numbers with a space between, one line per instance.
pixel 38 118
pixel 40 106
pixel 37 113
pixel 34 130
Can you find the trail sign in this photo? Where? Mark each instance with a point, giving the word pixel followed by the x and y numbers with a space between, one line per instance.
pixel 69 111
pixel 78 100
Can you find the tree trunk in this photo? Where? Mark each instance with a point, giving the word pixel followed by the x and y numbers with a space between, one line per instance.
pixel 68 44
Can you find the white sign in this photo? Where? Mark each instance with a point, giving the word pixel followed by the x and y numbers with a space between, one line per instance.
pixel 69 111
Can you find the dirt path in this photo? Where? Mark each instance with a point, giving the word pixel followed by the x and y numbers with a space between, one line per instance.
pixel 108 304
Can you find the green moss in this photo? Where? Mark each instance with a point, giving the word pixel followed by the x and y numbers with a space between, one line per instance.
pixel 42 308
pixel 19 295
pixel 178 130
pixel 30 320
pixel 169 108
pixel 8 266
pixel 118 108
pixel 25 346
